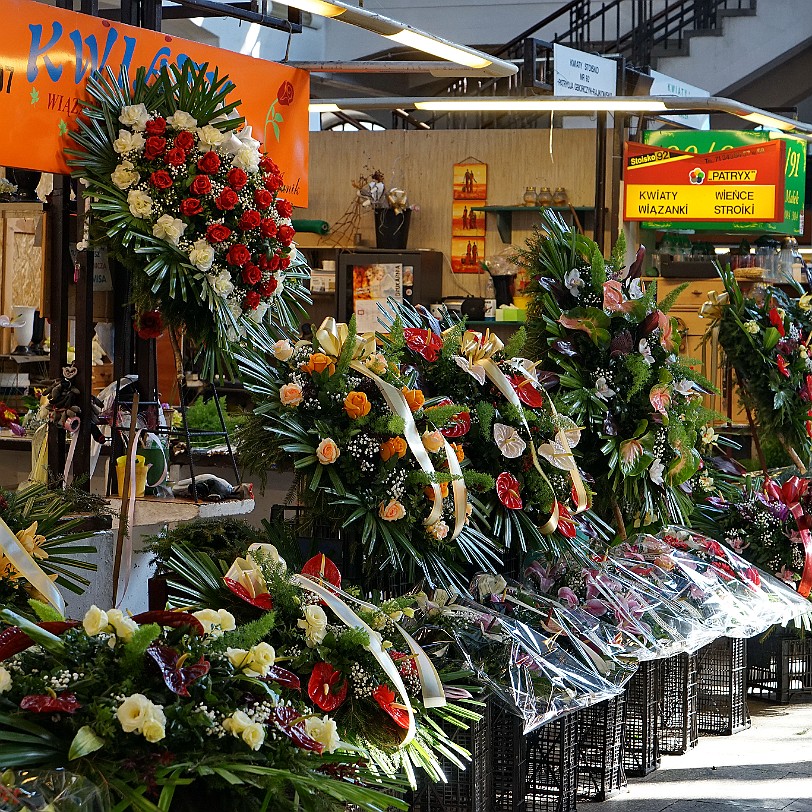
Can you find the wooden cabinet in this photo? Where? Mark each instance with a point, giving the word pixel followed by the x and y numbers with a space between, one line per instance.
pixel 692 330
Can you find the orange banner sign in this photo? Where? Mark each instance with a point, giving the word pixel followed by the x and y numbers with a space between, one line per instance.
pixel 745 184
pixel 46 55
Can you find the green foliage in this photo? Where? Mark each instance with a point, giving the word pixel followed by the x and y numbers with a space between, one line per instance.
pixel 248 634
pixel 619 252
pixel 478 482
pixel 670 300
pixel 515 345
pixel 136 646
pixel 44 611
pixel 641 374
pixel 202 415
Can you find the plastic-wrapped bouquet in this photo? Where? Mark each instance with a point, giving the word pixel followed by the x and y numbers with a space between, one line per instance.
pixel 369 449
pixel 644 426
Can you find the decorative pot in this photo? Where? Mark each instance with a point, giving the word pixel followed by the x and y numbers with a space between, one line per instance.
pixel 530 196
pixel 23 328
pixel 392 229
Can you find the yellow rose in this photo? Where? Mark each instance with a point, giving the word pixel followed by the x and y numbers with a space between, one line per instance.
pixel 314 625
pixel 254 735
pixel 432 441
pixel 236 723
pixel 238 657
pixel 324 731
pixel 263 656
pixel 95 621
pixel 5 680
pixel 356 405
pixel 319 362
pixel 290 394
pixel 154 728
pixel 123 626
pixel 391 512
pixel 327 451
pixel 216 622
pixel 133 712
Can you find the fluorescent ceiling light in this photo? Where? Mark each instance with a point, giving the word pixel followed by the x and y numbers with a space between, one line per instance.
pixel 323 107
pixel 437 47
pixel 520 105
pixel 766 120
pixel 316 7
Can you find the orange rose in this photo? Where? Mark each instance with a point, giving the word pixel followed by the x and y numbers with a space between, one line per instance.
pixel 356 404
pixel 458 450
pixel 327 451
pixel 414 397
pixel 391 512
pixel 319 362
pixel 429 491
pixel 392 446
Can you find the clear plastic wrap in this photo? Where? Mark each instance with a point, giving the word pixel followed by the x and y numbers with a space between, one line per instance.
pixel 51 791
pixel 733 597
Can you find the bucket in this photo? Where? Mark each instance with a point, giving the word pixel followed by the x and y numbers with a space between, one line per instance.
pixel 140 474
pixel 157 467
pixel 392 229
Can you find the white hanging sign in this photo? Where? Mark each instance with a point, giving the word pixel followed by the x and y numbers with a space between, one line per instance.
pixel 578 73
pixel 665 85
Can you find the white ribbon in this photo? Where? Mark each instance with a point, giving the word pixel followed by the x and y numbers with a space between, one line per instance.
pixel 458 488
pixel 352 621
pixel 25 564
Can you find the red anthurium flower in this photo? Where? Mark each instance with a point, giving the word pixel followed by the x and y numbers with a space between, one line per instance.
pixel 425 343
pixel 281 676
pixel 385 697
pixel 777 321
pixel 262 601
pixel 566 526
pixel 783 366
pixel 809 429
pixel 290 723
pixel 458 426
pixel 177 676
pixel 13 639
pixel 527 392
pixel 507 489
pixel 45 703
pixel 175 620
pixel 321 568
pixel 327 687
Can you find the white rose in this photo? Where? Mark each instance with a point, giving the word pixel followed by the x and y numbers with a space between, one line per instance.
pixel 236 723
pixel 202 255
pixel 238 657
pixel 254 735
pixel 269 553
pixel 154 727
pixel 314 625
pixel 140 203
pixel 169 228
pixel 258 314
pixel 324 731
pixel 180 120
pixel 5 680
pixel 222 285
pixel 210 138
pixel 282 350
pixel 95 621
pixel 125 175
pixel 123 626
pixel 134 116
pixel 247 158
pixel 133 712
pixel 263 656
pixel 128 142
pixel 216 622
pixel 432 441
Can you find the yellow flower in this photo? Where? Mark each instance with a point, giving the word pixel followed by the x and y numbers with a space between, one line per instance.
pixel 263 656
pixel 324 731
pixel 5 680
pixel 290 394
pixel 123 626
pixel 314 625
pixel 216 622
pixel 391 512
pixel 238 657
pixel 154 727
pixel 236 723
pixel 414 398
pixel 356 405
pixel 95 621
pixel 432 441
pixel 133 712
pixel 32 542
pixel 254 735
pixel 319 362
pixel 327 451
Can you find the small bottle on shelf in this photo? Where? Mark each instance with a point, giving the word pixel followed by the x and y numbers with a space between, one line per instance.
pixel 490 300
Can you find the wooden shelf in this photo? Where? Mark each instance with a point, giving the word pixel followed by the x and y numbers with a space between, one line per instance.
pixel 504 215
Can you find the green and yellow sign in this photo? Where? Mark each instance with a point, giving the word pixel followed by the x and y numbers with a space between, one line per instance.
pixel 708 141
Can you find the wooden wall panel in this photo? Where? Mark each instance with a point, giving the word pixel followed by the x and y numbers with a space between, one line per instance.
pixel 421 162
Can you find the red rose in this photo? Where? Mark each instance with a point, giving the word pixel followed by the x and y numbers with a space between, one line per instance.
pixel 175 157
pixel 274 263
pixel 238 255
pixel 237 178
pixel 217 233
pixel 156 126
pixel 269 287
pixel 263 263
pixel 284 208
pixel 250 220
pixel 251 275
pixel 251 300
pixel 185 140
pixel 273 182
pixel 227 199
pixel 262 198
pixel 209 163
pixel 286 235
pixel 161 179
pixel 284 263
pixel 149 324
pixel 268 227
pixel 201 185
pixel 266 164
pixel 190 207
pixel 154 147
pixel 285 93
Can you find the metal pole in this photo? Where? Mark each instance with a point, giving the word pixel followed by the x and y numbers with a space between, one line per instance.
pixel 600 179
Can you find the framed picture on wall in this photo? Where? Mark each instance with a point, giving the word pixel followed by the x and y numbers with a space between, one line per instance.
pixel 466 254
pixel 471 181
pixel 467 222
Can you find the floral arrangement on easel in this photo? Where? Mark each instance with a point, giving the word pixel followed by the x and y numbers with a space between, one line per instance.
pixel 185 199
pixel 645 429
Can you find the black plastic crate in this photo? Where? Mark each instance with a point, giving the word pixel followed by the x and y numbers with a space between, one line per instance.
pixel 779 667
pixel 552 759
pixel 722 690
pixel 641 745
pixel 507 760
pixel 678 713
pixel 600 749
pixel 467 790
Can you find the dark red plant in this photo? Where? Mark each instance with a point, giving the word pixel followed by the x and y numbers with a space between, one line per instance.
pixel 149 324
pixel 281 676
pixel 174 620
pixel 424 342
pixel 13 640
pixel 290 723
pixel 327 687
pixel 385 697
pixel 45 703
pixel 176 678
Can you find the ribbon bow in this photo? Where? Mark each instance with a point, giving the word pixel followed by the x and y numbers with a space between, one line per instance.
pixel 714 308
pixel 790 494
pixel 332 336
pixel 478 348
